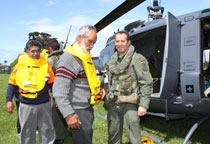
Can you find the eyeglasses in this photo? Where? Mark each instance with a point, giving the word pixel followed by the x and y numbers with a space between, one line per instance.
pixel 35 51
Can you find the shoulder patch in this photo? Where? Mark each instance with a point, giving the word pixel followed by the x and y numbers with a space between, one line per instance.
pixel 144 61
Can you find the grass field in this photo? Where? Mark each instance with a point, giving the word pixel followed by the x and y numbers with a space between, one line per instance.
pixel 172 132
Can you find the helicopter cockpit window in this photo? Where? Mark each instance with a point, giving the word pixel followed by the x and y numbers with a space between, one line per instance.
pixel 206 59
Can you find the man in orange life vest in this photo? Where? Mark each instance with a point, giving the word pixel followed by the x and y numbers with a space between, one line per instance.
pixel 33 76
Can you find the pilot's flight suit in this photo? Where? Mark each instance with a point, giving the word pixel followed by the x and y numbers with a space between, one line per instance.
pixel 130 86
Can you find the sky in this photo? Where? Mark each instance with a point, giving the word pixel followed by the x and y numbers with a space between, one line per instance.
pixel 20 17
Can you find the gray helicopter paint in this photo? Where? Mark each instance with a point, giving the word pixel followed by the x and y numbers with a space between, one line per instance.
pixel 169 78
pixel 189 66
pixel 148 26
pixel 190 41
pixel 106 53
pixel 190 57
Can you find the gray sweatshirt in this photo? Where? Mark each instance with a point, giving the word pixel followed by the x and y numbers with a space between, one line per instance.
pixel 70 89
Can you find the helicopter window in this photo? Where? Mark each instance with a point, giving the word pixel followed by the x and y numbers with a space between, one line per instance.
pixel 111 38
pixel 206 59
pixel 151 45
pixel 96 62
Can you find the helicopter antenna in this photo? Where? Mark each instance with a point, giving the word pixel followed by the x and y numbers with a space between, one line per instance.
pixel 155 11
pixel 160 2
pixel 151 1
pixel 67 37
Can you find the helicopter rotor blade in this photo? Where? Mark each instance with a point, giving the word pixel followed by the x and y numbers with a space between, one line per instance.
pixel 117 12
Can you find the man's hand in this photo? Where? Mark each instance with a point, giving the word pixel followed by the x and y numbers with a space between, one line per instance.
pixel 73 121
pixel 142 111
pixel 102 93
pixel 10 107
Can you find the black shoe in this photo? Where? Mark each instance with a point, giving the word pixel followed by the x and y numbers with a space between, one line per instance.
pixel 58 141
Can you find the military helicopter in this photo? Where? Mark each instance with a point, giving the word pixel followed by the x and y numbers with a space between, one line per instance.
pixel 177 49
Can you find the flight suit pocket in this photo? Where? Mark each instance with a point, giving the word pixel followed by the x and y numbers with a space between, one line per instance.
pixel 133 98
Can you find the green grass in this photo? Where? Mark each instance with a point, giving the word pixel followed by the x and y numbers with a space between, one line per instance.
pixel 172 131
pixel 8 133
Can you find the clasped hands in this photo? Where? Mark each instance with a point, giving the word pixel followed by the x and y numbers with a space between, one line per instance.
pixel 73 121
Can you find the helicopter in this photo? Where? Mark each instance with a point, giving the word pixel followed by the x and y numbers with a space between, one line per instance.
pixel 177 50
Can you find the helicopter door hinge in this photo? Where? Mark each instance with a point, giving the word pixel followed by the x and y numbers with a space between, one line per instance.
pixel 180 71
pixel 181 25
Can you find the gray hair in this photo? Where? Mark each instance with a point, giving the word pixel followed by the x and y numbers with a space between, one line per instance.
pixel 84 30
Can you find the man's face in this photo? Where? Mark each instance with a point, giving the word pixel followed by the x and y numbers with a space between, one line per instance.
pixel 34 52
pixel 121 43
pixel 50 49
pixel 88 43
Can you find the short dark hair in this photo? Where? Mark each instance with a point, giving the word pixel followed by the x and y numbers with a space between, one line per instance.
pixel 123 32
pixel 54 44
pixel 31 43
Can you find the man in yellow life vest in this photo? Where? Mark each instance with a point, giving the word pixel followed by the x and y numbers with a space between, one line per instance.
pixel 75 82
pixel 33 76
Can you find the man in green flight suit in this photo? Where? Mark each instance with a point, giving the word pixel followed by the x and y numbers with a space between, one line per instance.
pixel 58 120
pixel 130 87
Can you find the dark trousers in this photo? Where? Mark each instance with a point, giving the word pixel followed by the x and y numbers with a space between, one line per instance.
pixel 85 133
pixel 59 123
pixel 18 123
pixel 17 102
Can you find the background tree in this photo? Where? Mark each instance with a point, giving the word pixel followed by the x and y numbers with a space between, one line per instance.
pixel 5 62
pixel 14 63
pixel 42 37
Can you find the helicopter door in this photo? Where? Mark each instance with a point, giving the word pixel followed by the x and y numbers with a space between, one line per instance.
pixel 171 59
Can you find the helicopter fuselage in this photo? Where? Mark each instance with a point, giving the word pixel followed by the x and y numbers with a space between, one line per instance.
pixel 177 49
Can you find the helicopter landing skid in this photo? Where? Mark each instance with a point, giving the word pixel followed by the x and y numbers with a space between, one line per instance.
pixel 188 136
pixel 179 116
pixel 194 127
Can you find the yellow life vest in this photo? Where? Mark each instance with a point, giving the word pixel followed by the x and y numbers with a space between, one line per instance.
pixel 146 140
pixel 90 71
pixel 30 75
pixel 45 53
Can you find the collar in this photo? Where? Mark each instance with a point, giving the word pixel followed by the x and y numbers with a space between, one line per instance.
pixel 116 66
